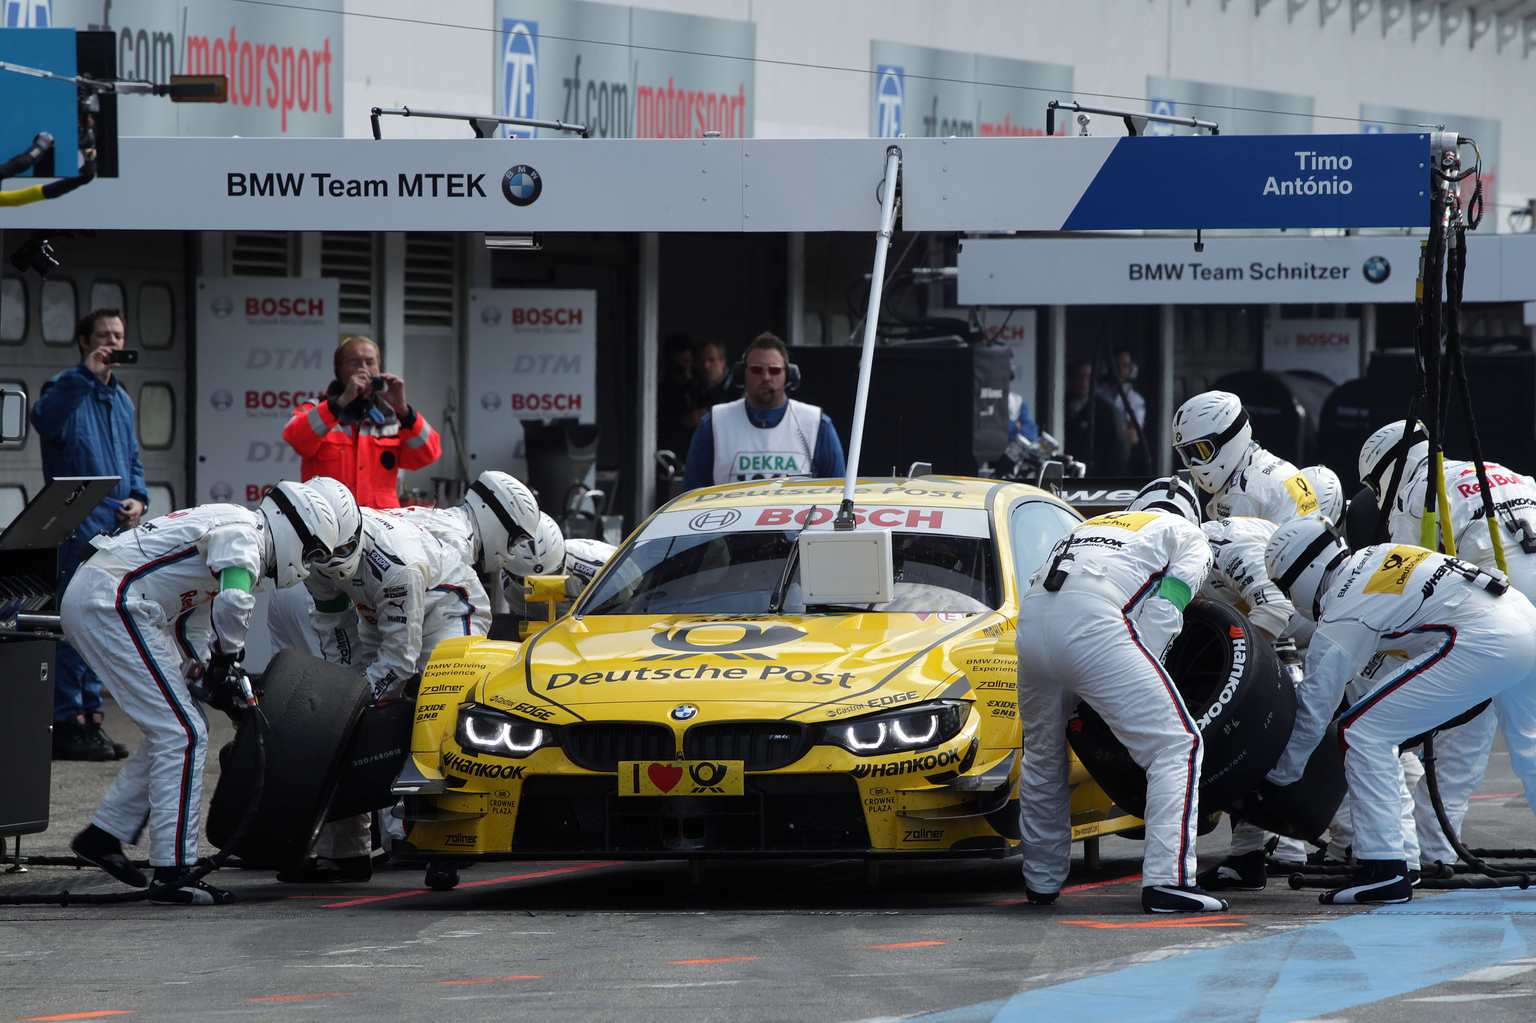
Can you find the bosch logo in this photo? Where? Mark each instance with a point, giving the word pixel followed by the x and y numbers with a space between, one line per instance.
pixel 490 316
pixel 284 307
pixel 1377 269
pixel 706 521
pixel 521 185
pixel 221 399
pixel 890 98
pixel 520 75
pixel 222 306
pixel 685 712
pixel 221 492
pixel 490 401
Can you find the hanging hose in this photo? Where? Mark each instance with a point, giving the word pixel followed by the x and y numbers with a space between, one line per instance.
pixel 1431 782
pixel 196 873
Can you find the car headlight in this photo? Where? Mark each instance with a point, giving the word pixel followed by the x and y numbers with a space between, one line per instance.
pixel 499 734
pixel 897 731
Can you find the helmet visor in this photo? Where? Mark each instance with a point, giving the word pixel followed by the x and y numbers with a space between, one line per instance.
pixel 1202 450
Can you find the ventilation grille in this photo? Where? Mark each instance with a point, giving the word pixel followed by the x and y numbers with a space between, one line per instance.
pixel 429 293
pixel 348 257
pixel 260 254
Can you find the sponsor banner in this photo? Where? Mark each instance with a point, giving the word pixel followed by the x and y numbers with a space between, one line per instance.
pixel 532 355
pixel 1329 347
pixel 900 518
pixel 747 185
pixel 623 72
pixel 922 92
pixel 1382 119
pixel 1238 111
pixel 1158 271
pixel 264 345
pixel 284 63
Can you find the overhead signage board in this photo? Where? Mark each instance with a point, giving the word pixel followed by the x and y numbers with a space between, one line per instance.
pixel 750 184
pixel 283 61
pixel 1231 270
pixel 264 346
pixel 623 72
pixel 532 355
pixel 1237 110
pixel 923 92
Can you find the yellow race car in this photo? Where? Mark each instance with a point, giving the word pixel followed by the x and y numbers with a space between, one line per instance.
pixel 691 704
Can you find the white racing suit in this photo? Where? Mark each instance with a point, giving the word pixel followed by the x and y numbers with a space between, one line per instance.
pixel 1268 487
pixel 1463 643
pixel 121 611
pixel 1461 753
pixel 1099 636
pixel 409 592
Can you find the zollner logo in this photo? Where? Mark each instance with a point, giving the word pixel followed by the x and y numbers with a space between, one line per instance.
pixel 520 74
pixel 890 97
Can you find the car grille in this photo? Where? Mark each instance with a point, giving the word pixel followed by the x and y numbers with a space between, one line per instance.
pixel 794 814
pixel 760 745
pixel 600 746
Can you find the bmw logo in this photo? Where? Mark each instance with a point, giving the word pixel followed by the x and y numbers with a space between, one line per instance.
pixel 521 185
pixel 221 399
pixel 1377 269
pixel 223 306
pixel 221 492
pixel 684 712
pixel 490 315
pixel 706 521
pixel 490 401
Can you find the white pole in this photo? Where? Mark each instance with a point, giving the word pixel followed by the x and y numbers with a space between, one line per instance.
pixel 871 324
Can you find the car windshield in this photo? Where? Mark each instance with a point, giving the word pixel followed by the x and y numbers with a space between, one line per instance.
pixel 737 573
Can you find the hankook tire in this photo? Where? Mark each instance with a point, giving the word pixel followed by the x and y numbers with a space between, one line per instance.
pixel 1234 688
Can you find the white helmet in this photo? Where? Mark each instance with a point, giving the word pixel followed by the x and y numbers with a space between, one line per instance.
pixel 503 512
pixel 1381 452
pixel 349 520
pixel 1329 491
pixel 1169 494
pixel 1299 555
pixel 302 528
pixel 583 558
pixel 543 553
pixel 1211 434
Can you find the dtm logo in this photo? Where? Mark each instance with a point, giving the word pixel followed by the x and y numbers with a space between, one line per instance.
pixel 1377 269
pixel 221 399
pixel 222 306
pixel 890 97
pixel 710 520
pixel 520 74
pixel 521 185
pixel 27 14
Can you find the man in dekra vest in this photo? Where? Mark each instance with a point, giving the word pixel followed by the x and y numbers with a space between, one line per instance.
pixel 766 434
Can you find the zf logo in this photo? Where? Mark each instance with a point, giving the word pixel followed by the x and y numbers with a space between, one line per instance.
pixel 520 74
pixel 890 97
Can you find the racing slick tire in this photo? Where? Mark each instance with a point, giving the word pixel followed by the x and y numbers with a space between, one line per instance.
pixel 311 708
pixel 1233 686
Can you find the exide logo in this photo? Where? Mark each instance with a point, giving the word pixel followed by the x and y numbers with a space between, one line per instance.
pixel 285 307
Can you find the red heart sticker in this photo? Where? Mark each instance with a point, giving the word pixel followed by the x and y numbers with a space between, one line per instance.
pixel 664 776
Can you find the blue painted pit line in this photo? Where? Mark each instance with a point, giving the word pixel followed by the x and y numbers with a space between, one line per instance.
pixel 1311 971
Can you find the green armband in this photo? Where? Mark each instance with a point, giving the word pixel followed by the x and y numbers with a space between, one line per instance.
pixel 236 579
pixel 1175 592
pixel 335 605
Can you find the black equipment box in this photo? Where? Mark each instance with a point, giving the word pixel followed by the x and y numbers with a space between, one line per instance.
pixel 1503 386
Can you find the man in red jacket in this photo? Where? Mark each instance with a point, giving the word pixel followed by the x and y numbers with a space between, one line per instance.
pixel 364 432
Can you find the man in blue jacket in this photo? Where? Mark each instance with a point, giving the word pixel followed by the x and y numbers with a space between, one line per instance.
pixel 86 423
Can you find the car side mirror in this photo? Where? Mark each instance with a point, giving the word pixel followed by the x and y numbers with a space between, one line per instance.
pixel 13 415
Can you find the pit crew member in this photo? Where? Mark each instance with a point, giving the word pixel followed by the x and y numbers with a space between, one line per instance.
pixel 1213 437
pixel 1467 636
pixel 1094 624
pixel 119 611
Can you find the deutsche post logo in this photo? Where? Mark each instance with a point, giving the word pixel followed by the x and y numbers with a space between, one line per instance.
pixel 1395 569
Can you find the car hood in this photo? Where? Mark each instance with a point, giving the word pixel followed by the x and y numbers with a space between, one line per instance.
pixel 797 664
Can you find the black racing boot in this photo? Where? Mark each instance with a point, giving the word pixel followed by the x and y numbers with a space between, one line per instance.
pixel 442 875
pixel 1379 882
pixel 192 893
pixel 98 735
pixel 324 870
pixel 1035 898
pixel 1242 873
pixel 72 740
pixel 104 850
pixel 1180 898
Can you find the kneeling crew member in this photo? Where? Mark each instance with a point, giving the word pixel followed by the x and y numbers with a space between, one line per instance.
pixel 1468 636
pixel 120 611
pixel 1096 620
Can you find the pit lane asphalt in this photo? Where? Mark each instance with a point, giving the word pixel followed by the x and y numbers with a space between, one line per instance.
pixel 945 942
